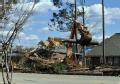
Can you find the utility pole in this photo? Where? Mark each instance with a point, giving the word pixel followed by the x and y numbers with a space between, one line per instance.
pixel 75 18
pixel 83 21
pixel 103 26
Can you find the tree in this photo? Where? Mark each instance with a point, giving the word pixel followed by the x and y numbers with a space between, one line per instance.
pixel 63 19
pixel 13 17
pixel 5 6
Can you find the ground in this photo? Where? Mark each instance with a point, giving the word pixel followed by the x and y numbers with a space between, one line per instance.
pixel 31 78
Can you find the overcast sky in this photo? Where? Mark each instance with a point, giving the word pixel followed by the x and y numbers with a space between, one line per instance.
pixel 36 29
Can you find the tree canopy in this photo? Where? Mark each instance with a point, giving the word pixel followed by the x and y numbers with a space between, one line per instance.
pixel 63 19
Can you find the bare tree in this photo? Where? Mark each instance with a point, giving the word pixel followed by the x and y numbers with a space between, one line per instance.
pixel 14 15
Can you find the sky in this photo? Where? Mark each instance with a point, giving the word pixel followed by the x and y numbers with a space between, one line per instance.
pixel 37 29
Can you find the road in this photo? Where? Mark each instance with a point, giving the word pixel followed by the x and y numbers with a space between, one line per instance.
pixel 31 78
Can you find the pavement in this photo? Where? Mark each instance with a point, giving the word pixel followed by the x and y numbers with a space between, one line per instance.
pixel 32 78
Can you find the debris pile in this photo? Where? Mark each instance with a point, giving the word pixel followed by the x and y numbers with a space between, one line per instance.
pixel 42 59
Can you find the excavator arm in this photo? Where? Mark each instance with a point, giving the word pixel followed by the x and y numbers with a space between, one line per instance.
pixel 85 39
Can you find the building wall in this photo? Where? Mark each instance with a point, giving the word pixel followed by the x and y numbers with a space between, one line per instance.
pixel 114 61
pixel 111 61
pixel 95 61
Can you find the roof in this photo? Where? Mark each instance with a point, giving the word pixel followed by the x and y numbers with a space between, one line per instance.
pixel 57 55
pixel 60 49
pixel 112 47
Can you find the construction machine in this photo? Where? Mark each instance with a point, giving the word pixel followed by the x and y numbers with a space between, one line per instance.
pixel 85 40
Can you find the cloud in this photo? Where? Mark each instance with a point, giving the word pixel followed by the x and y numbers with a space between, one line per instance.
pixel 93 17
pixel 26 37
pixel 22 7
pixel 43 6
pixel 110 13
pixel 22 36
pixel 45 29
pixel 70 1
pixel 65 34
pixel 27 40
pixel 4 33
pixel 95 13
pixel 99 38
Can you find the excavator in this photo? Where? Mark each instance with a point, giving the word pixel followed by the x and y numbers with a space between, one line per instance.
pixel 85 40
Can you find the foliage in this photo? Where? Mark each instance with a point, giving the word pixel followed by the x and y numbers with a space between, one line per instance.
pixel 59 68
pixel 63 19
pixel 15 1
pixel 48 47
pixel 44 53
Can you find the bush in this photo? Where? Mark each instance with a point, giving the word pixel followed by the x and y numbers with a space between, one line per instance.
pixel 59 68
